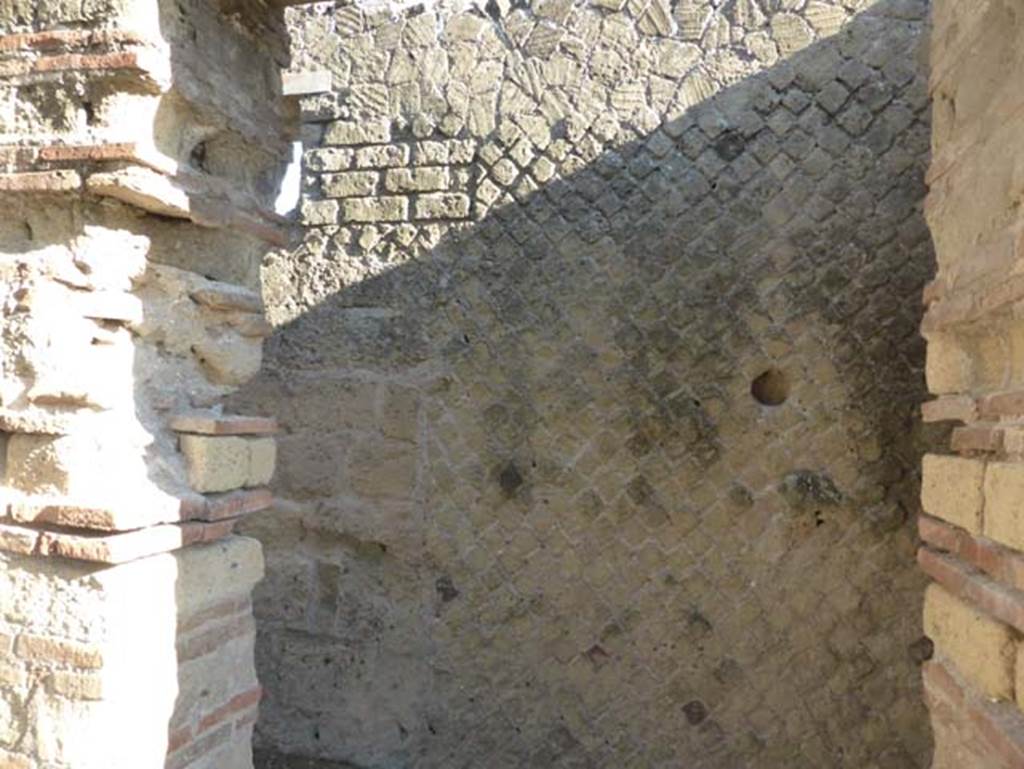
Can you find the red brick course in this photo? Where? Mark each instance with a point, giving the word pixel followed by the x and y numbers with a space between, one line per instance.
pixel 1002 404
pixel 231 607
pixel 209 641
pixel 960 408
pixel 67 39
pixel 999 562
pixel 223 425
pixel 110 547
pixel 977 438
pixel 999 601
pixel 188 753
pixel 992 734
pixel 235 705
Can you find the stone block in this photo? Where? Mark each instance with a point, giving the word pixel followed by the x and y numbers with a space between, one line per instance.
pixel 216 463
pixel 431 153
pixel 358 132
pixel 981 648
pixel 80 464
pixel 378 209
pixel 388 156
pixel 144 188
pixel 219 463
pixel 425 179
pixel 76 686
pixel 40 181
pixel 38 463
pixel 57 651
pixel 301 83
pixel 349 184
pixel 317 108
pixel 790 33
pixel 951 489
pixel 1004 503
pixel 319 212
pixel 262 456
pixel 461 151
pixel 825 18
pixel 948 367
pixel 229 359
pixel 442 205
pixel 961 408
pixel 329 159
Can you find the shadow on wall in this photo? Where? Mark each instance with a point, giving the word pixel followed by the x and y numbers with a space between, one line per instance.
pixel 533 514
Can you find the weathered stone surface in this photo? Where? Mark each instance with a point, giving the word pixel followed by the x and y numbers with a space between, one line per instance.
pixel 523 470
pixel 375 209
pixel 107 633
pixel 983 648
pixel 951 489
pixel 301 83
pixel 216 463
pixel 1004 486
pixel 262 459
pixel 358 132
pixel 442 206
pixel 141 154
pixel 350 184
pixel 969 730
pixel 416 179
pixel 973 350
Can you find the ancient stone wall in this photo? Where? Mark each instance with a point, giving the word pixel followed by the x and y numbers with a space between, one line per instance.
pixel 135 175
pixel 972 492
pixel 599 369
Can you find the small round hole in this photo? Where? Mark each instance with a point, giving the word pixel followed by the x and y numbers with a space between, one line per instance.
pixel 770 388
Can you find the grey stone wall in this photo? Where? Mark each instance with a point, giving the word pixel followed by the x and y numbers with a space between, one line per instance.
pixel 599 370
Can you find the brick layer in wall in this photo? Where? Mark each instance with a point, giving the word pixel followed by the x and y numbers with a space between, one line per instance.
pixel 971 492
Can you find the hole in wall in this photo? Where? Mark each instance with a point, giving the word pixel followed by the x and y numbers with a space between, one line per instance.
pixel 197 157
pixel 695 711
pixel 770 388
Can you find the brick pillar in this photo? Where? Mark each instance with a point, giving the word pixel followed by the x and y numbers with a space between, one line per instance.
pixel 973 497
pixel 141 142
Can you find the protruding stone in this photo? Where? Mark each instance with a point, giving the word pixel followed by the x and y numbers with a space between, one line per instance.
pixel 302 83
